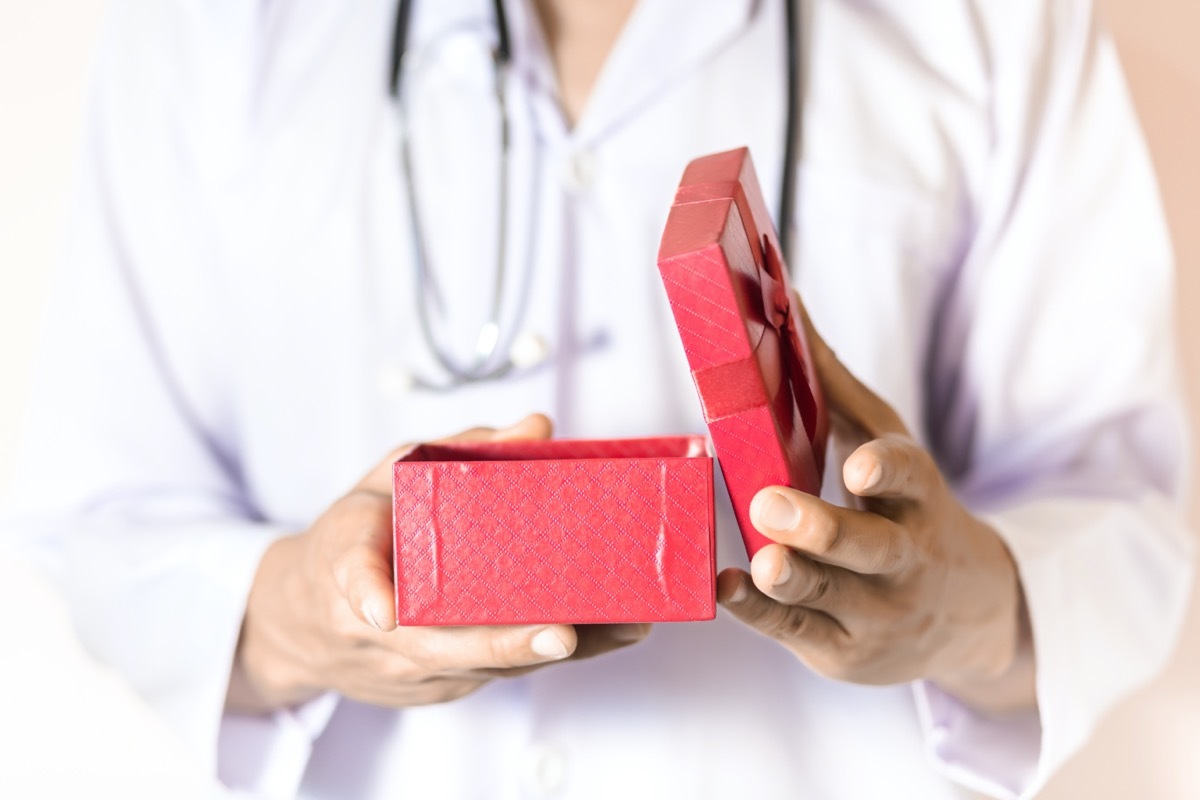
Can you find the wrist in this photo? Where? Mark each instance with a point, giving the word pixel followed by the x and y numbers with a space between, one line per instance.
pixel 994 670
pixel 272 666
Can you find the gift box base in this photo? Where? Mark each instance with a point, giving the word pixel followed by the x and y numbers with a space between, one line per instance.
pixel 556 531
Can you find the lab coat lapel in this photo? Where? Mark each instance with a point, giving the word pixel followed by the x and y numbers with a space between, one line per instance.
pixel 433 18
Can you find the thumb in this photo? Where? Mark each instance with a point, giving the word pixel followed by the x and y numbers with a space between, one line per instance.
pixel 363 567
pixel 361 558
pixel 534 426
pixel 848 400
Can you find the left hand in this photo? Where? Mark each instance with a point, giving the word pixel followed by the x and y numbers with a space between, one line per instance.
pixel 905 585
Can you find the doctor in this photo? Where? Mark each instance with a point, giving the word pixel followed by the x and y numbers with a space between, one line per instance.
pixel 278 272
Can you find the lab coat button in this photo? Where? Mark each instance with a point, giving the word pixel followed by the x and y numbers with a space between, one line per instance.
pixel 547 769
pixel 579 170
pixel 528 350
pixel 393 382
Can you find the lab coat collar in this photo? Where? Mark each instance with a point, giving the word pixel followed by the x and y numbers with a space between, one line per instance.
pixel 662 41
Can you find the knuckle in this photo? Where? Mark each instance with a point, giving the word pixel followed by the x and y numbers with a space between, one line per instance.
pixel 923 460
pixel 825 531
pixel 905 472
pixel 501 651
pixel 918 469
pixel 450 690
pixel 785 622
pixel 777 621
pixel 889 556
pixel 841 663
pixel 353 518
pixel 420 668
pixel 437 690
pixel 424 652
pixel 895 457
pixel 404 671
pixel 819 587
pixel 839 668
pixel 361 508
pixel 344 625
pixel 347 564
pixel 851 660
pixel 919 466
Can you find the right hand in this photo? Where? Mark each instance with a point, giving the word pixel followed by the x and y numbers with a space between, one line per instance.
pixel 321 616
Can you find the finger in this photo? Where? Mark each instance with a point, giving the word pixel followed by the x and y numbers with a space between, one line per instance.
pixel 893 466
pixel 379 479
pixel 860 541
pixel 845 395
pixel 596 640
pixel 534 426
pixel 797 626
pixel 789 578
pixel 593 640
pixel 361 558
pixel 478 649
pixel 405 694
pixel 363 565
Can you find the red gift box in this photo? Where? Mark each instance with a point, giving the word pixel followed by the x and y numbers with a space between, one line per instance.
pixel 560 531
pixel 733 304
pixel 622 530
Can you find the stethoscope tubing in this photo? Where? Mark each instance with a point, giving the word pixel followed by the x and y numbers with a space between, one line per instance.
pixel 482 367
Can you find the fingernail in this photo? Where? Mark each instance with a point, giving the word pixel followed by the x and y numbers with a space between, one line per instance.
pixel 779 513
pixel 785 572
pixel 739 593
pixel 548 645
pixel 873 478
pixel 369 614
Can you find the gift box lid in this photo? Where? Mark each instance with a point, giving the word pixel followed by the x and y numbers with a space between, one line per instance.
pixel 734 307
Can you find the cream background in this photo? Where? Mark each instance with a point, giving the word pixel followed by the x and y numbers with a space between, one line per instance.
pixel 67 725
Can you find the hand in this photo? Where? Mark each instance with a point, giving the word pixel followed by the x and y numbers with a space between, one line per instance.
pixel 905 584
pixel 321 616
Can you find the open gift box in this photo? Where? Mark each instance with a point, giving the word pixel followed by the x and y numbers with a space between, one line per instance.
pixel 623 530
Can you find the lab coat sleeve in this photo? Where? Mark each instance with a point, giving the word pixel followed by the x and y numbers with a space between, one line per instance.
pixel 128 486
pixel 1055 405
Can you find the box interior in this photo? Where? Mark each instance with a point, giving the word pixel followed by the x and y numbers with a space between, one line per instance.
pixel 558 449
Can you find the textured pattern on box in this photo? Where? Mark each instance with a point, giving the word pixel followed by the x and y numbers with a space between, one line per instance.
pixel 555 531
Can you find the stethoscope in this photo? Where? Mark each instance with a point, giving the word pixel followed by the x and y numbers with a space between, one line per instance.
pixel 528 351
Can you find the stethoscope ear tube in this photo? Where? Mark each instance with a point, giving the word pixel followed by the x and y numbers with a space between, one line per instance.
pixel 793 132
pixel 482 366
pixel 399 46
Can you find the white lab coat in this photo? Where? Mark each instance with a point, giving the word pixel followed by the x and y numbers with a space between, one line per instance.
pixel 978 236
